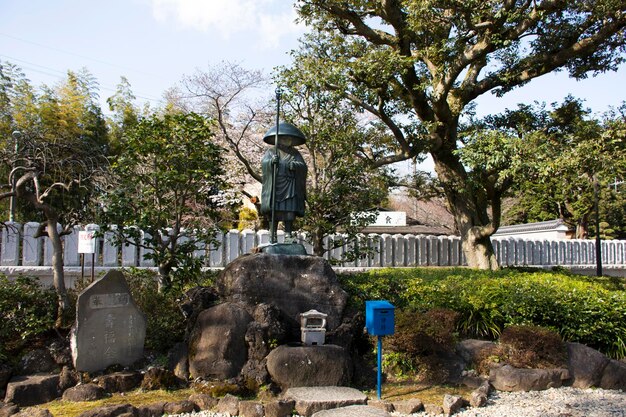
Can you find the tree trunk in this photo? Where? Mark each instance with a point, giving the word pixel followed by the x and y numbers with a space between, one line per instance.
pixel 582 228
pixel 57 269
pixel 52 221
pixel 164 280
pixel 318 242
pixel 469 205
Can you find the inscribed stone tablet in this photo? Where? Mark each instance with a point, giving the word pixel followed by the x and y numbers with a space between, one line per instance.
pixel 109 327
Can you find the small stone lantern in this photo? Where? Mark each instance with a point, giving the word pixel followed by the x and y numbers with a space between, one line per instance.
pixel 313 327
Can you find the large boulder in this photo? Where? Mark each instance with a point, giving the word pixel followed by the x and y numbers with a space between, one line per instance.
pixel 178 361
pixel 32 390
pixel 585 365
pixel 33 412
pixel 410 406
pixel 307 366
pixel 452 404
pixel 68 378
pixel 111 411
pixel 292 283
pixel 217 346
pixel 614 376
pixel 151 410
pixel 5 375
pixel 179 407
pixel 84 392
pixel 203 401
pixel 228 404
pixel 119 381
pixel 473 350
pixel 37 361
pixel 158 377
pixel 280 408
pixel 10 409
pixel 508 378
pixel 251 409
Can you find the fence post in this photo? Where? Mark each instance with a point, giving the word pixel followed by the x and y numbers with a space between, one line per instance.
pixel 444 251
pixel 375 243
pixel 501 250
pixel 537 251
pixel 433 250
pixel 411 250
pixel 386 253
pixel 247 241
pixel 620 253
pixel 304 240
pixel 143 261
pixel 47 248
pixel 529 252
pixel 70 248
pixel 232 245
pixel 31 246
pixel 130 253
pixel 10 250
pixel 110 251
pixel 216 250
pixel 399 252
pixel 497 250
pixel 422 244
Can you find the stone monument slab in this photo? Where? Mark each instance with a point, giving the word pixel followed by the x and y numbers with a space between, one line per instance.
pixel 110 329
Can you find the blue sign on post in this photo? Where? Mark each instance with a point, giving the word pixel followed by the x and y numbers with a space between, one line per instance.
pixel 379 321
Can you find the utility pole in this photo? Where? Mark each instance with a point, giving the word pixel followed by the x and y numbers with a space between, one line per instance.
pixel 596 207
pixel 16 135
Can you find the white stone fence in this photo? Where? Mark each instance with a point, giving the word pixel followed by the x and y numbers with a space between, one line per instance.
pixel 19 247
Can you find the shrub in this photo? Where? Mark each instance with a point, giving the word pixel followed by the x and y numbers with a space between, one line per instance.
pixel 419 334
pixel 533 347
pixel 412 351
pixel 580 309
pixel 26 310
pixel 165 322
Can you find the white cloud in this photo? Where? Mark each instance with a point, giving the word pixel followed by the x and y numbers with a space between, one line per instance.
pixel 267 20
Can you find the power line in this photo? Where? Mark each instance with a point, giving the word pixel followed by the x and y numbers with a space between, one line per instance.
pixel 60 75
pixel 52 48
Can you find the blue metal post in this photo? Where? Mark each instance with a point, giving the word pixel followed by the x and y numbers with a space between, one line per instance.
pixel 380 365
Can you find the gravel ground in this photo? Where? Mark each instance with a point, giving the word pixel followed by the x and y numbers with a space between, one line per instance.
pixel 555 402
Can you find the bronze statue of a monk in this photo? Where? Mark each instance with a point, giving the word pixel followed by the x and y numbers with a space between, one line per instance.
pixel 289 179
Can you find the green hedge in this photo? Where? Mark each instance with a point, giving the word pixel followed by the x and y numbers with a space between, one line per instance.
pixel 579 308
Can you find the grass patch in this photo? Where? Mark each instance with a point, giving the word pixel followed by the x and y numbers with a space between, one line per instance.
pixel 428 394
pixel 60 408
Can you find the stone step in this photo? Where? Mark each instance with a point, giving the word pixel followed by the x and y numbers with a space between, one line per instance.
pixel 310 400
pixel 353 411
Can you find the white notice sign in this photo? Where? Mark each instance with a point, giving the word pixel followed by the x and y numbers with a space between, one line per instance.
pixel 86 242
pixel 390 218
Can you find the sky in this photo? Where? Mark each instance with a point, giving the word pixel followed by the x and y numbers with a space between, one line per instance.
pixel 154 43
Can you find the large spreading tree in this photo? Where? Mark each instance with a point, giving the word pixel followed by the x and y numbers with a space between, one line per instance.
pixel 418 66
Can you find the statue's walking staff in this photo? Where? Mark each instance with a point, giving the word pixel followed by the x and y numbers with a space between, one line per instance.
pixel 283 195
pixel 275 169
